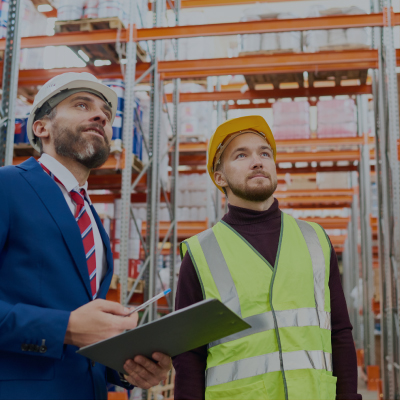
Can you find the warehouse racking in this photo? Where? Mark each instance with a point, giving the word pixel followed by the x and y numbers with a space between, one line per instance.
pixel 382 60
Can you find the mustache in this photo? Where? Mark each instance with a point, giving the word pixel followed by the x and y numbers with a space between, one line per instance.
pixel 266 174
pixel 93 126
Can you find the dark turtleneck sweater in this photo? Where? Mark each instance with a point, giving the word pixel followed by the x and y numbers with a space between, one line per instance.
pixel 262 230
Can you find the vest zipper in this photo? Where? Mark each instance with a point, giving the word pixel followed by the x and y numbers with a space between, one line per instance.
pixel 273 311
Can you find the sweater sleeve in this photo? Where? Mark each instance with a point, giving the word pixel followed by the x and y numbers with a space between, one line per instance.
pixel 343 351
pixel 190 366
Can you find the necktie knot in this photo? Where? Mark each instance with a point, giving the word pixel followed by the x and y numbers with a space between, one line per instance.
pixel 78 198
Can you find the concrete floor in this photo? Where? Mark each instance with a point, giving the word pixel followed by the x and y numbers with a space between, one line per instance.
pixel 366 394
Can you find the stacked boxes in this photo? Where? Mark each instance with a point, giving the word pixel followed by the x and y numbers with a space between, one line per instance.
pixel 118 86
pixel 269 42
pixel 291 120
pixel 4 5
pixel 336 118
pixel 336 38
pixel 134 244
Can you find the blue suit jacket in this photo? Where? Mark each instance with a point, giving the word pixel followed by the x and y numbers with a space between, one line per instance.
pixel 43 277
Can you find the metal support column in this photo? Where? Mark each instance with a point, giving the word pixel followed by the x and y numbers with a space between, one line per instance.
pixel 355 263
pixel 366 235
pixel 388 185
pixel 128 142
pixel 10 84
pixel 153 186
pixel 175 172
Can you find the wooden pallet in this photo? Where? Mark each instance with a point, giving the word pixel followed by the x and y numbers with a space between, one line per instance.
pixel 338 76
pixel 274 79
pixel 266 52
pixel 342 47
pixel 192 138
pixel 98 51
pixel 24 150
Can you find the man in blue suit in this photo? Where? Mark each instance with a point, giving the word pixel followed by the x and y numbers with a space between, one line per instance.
pixel 52 290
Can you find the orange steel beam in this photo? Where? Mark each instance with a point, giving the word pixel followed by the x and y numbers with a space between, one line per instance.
pixel 261 64
pixel 271 63
pixel 314 192
pixel 104 36
pixel 219 3
pixel 36 77
pixel 317 200
pixel 343 155
pixel 330 223
pixel 272 94
pixel 265 26
pixel 201 147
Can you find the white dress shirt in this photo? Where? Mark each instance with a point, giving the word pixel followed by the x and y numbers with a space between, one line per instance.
pixel 69 183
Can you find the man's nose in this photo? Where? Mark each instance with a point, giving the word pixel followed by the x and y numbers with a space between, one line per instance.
pixel 100 117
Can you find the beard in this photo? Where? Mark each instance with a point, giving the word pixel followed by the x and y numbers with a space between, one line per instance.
pixel 91 152
pixel 258 193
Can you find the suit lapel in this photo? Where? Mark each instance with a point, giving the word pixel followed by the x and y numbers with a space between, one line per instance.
pixel 105 284
pixel 53 199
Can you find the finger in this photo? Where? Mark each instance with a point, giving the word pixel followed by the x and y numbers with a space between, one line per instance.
pixel 148 365
pixel 126 323
pixel 137 381
pixel 164 361
pixel 145 373
pixel 112 307
pixel 139 374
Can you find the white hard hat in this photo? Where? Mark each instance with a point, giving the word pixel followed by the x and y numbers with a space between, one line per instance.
pixel 62 86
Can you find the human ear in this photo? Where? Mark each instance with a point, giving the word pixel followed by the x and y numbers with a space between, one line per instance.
pixel 41 128
pixel 219 178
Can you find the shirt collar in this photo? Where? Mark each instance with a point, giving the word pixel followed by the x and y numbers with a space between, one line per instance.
pixel 63 174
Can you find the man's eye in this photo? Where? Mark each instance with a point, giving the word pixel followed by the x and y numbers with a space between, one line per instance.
pixel 82 105
pixel 266 154
pixel 240 155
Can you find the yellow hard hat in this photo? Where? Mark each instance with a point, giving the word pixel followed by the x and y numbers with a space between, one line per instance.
pixel 237 125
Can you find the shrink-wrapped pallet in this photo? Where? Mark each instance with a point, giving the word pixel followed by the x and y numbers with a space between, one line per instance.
pixel 336 118
pixel 291 120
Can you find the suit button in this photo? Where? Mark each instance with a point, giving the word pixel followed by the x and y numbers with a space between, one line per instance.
pixel 93 363
pixel 32 347
pixel 24 347
pixel 43 349
pixel 37 347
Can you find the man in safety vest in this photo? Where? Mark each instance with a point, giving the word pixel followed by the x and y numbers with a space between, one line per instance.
pixel 278 273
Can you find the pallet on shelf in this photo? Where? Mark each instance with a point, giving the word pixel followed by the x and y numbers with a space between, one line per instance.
pixel 266 52
pixel 192 138
pixel 273 79
pixel 338 76
pixel 341 47
pixel 98 51
pixel 25 150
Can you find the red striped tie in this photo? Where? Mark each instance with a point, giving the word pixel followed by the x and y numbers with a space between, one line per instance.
pixel 85 226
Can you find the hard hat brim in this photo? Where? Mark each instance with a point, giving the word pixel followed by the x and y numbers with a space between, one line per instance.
pixel 255 122
pixel 102 89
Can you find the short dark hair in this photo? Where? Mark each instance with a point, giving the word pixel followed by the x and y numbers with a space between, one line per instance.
pixel 51 115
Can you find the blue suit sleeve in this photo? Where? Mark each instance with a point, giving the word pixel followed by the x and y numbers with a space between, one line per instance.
pixel 26 328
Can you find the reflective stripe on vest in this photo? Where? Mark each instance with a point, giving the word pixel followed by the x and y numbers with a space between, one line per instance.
pixel 265 363
pixel 318 261
pixel 219 270
pixel 285 319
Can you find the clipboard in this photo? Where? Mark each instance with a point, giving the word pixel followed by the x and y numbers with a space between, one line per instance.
pixel 176 333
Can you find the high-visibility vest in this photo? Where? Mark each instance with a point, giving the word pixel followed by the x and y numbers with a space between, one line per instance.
pixel 287 352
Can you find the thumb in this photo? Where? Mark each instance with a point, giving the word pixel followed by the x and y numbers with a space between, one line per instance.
pixel 112 307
